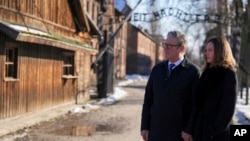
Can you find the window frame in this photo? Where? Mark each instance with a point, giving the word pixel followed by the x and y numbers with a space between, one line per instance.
pixel 11 62
pixel 69 66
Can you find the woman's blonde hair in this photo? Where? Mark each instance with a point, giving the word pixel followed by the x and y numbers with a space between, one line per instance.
pixel 222 54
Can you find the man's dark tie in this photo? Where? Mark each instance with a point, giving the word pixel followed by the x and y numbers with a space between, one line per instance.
pixel 170 68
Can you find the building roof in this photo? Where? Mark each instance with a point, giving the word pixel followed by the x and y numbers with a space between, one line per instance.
pixel 24 34
pixel 84 20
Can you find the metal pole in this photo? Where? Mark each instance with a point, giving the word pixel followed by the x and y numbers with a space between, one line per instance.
pixel 107 46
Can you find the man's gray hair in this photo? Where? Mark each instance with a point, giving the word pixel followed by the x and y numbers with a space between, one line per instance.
pixel 181 38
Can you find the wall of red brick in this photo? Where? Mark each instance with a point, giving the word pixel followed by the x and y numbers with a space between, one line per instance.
pixel 141 52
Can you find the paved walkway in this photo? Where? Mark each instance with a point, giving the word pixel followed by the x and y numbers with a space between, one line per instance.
pixel 19 122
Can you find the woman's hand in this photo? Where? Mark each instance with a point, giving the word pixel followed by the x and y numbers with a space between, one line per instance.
pixel 186 136
pixel 144 134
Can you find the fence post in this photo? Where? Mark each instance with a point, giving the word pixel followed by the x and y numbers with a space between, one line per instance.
pixel 247 91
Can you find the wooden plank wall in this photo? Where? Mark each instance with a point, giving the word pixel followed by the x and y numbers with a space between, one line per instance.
pixel 4 100
pixel 52 16
pixel 40 82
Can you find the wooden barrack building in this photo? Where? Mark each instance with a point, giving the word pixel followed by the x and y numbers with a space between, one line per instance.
pixel 46 48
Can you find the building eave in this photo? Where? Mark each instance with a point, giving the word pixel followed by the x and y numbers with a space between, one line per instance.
pixel 43 38
pixel 93 27
pixel 83 21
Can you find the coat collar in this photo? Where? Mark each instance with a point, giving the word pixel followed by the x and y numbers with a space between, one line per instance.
pixel 185 63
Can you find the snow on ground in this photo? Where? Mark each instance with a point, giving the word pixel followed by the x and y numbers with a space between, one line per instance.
pixel 118 92
pixel 242 111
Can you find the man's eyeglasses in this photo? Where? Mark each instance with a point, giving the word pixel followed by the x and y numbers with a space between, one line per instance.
pixel 165 45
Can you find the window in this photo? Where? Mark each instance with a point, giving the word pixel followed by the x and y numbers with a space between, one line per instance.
pixel 93 11
pixel 11 62
pixel 88 6
pixel 68 64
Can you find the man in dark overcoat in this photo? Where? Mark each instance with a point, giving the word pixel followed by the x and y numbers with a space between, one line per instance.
pixel 169 94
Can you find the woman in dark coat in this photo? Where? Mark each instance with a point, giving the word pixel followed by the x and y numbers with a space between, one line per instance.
pixel 217 90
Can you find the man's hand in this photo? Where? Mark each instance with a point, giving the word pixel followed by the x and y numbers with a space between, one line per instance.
pixel 144 134
pixel 186 136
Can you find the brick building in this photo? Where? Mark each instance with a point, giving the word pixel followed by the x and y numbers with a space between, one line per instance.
pixel 143 51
